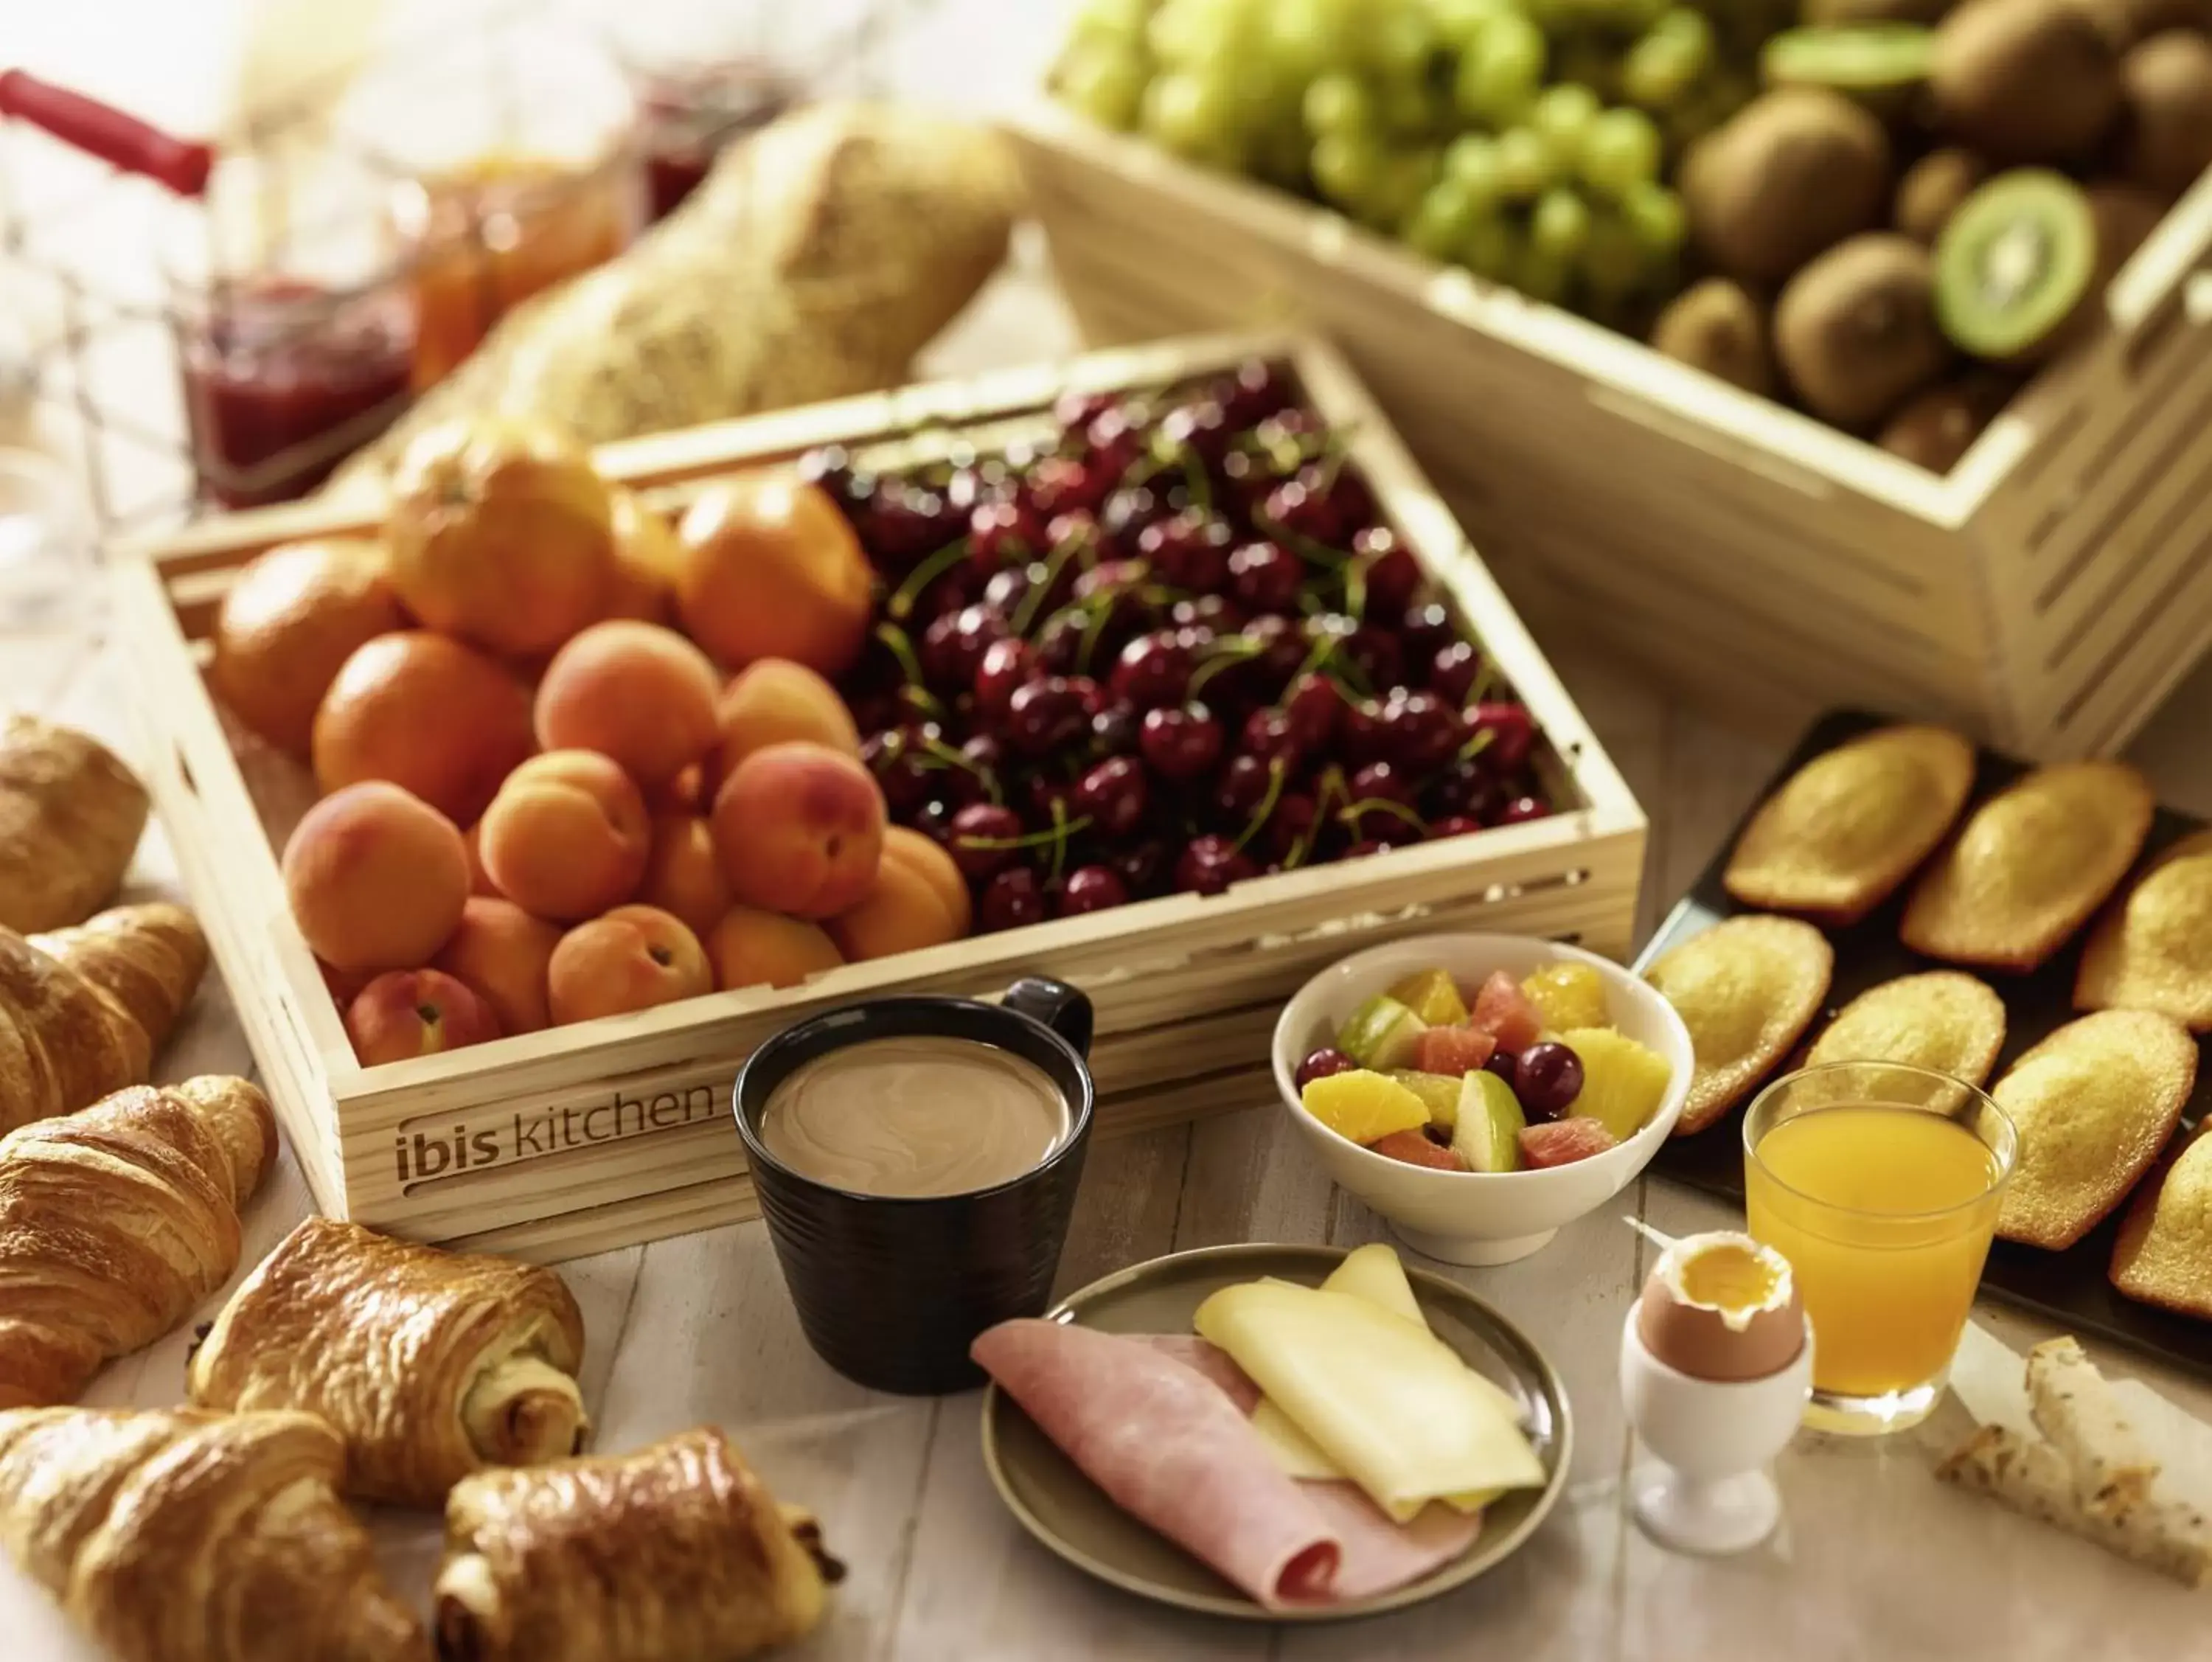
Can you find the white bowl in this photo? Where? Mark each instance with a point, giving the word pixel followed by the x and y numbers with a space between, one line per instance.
pixel 1477 1217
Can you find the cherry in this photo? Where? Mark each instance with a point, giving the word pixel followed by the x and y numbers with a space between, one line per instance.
pixel 1004 666
pixel 1379 845
pixel 1216 614
pixel 1512 733
pixel 1114 730
pixel 1297 509
pixel 1383 781
pixel 1359 732
pixel 933 819
pixel 1255 393
pixel 1062 485
pixel 1282 650
pixel 1374 653
pixel 1453 825
pixel 1045 714
pixel 1270 735
pixel 1190 551
pixel 973 483
pixel 953 645
pixel 1002 534
pixel 1453 670
pixel 1091 889
pixel 1115 794
pixel 987 760
pixel 1076 411
pixel 1202 428
pixel 1468 788
pixel 1113 440
pixel 1291 822
pixel 1129 510
pixel 900 526
pixel 1266 577
pixel 1007 589
pixel 1210 864
pixel 1180 743
pixel 830 468
pixel 1393 575
pixel 1421 732
pixel 1312 706
pixel 975 825
pixel 1153 670
pixel 1059 642
pixel 1077 528
pixel 1243 786
pixel 1425 629
pixel 1321 1064
pixel 1009 901
pixel 1522 809
pixel 1140 864
pixel 1052 801
pixel 895 761
pixel 1342 488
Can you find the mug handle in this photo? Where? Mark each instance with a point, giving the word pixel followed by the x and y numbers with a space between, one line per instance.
pixel 1054 1004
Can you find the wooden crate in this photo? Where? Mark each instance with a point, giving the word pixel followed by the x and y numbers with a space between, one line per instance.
pixel 2046 595
pixel 617 1130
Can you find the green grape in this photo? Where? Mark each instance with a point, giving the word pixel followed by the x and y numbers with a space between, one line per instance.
pixel 1457 22
pixel 1525 166
pixel 1308 38
pixel 1591 61
pixel 1339 103
pixel 1559 224
pixel 1187 35
pixel 1395 39
pixel 1561 115
pixel 1613 259
pixel 1621 148
pixel 1633 16
pixel 1346 167
pixel 1472 159
pixel 1541 275
pixel 1278 154
pixel 1409 110
pixel 1400 183
pixel 1193 115
pixel 1500 72
pixel 1660 69
pixel 1655 215
pixel 1120 21
pixel 1440 220
pixel 1104 82
pixel 1491 248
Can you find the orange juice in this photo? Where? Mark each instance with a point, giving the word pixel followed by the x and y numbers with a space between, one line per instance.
pixel 1885 1214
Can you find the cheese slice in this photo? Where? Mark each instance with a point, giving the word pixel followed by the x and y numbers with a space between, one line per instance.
pixel 1389 1404
pixel 1298 1454
pixel 1374 1273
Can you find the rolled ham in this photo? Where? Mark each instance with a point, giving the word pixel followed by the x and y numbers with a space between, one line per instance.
pixel 1168 1447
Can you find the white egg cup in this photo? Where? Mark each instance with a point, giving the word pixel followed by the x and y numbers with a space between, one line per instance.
pixel 1714 1440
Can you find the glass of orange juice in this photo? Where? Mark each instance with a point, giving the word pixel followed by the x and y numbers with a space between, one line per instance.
pixel 1881 1183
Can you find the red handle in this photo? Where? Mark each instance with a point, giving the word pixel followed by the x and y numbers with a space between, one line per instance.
pixel 96 128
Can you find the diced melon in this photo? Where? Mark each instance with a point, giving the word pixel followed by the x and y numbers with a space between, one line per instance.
pixel 1623 1081
pixel 1506 1013
pixel 1364 1106
pixel 1569 994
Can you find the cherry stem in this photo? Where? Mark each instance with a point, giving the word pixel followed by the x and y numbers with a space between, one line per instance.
pixel 1194 475
pixel 1055 562
pixel 949 756
pixel 1230 650
pixel 1355 585
pixel 1349 812
pixel 1479 742
pixel 1277 773
pixel 1061 830
pixel 902 648
pixel 1312 552
pixel 900 604
pixel 1060 834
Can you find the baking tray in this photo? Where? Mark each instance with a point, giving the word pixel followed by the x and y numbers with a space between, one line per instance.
pixel 2069 1287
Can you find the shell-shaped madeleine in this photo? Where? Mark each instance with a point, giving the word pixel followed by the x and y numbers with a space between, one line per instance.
pixel 2164 1252
pixel 2030 865
pixel 1746 989
pixel 1845 830
pixel 2153 950
pixel 2094 1104
pixel 1943 1019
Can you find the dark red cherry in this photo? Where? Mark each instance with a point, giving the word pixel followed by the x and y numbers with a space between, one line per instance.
pixel 1452 671
pixel 895 761
pixel 1266 576
pixel 973 830
pixel 1243 786
pixel 1360 736
pixel 1210 864
pixel 953 645
pixel 1002 534
pixel 1114 730
pixel 1374 653
pixel 1512 733
pixel 1076 411
pixel 1313 707
pixel 1180 743
pixel 1153 670
pixel 1255 393
pixel 1291 822
pixel 1522 809
pixel 1393 575
pixel 1270 735
pixel 1045 714
pixel 1382 781
pixel 1115 794
pixel 1202 428
pixel 1062 485
pixel 1011 900
pixel 1091 889
pixel 1004 666
pixel 1421 732
pixel 1141 864
pixel 1453 825
pixel 1424 630
pixel 1189 552
pixel 1008 588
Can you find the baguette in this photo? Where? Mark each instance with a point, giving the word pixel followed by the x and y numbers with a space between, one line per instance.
pixel 2076 1409
pixel 2034 1478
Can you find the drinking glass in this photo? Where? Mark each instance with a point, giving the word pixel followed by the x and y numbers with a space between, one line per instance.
pixel 1881 1183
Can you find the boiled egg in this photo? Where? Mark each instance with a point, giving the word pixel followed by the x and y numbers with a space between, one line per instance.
pixel 1721 1305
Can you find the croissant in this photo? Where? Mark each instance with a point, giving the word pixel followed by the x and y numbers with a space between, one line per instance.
pixel 176 1536
pixel 115 1221
pixel 70 815
pixel 677 1553
pixel 82 1010
pixel 430 1364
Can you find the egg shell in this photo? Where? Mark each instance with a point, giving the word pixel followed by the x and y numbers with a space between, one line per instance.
pixel 1697 1340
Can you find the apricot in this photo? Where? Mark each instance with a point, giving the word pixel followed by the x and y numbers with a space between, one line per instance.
pixel 344 985
pixel 646 555
pixel 771 571
pixel 775 701
pixel 639 693
pixel 291 619
pixel 633 959
pixel 753 948
pixel 376 878
pixel 427 714
pixel 902 913
pixel 800 829
pixel 479 880
pixel 929 859
pixel 567 836
pixel 683 876
pixel 500 952
pixel 404 1014
pixel 501 533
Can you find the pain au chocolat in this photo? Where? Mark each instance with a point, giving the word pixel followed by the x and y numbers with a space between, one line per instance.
pixel 2153 951
pixel 1747 989
pixel 1944 1020
pixel 2030 866
pixel 2164 1252
pixel 2094 1104
pixel 1847 828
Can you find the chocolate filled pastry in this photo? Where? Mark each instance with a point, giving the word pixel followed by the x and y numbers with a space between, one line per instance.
pixel 430 1364
pixel 1747 989
pixel 173 1536
pixel 1847 828
pixel 2153 950
pixel 677 1553
pixel 2030 866
pixel 1943 1019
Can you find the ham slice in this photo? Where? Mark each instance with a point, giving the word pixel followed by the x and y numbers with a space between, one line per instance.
pixel 1168 1445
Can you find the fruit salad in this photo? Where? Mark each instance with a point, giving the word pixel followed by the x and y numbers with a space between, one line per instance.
pixel 1516 1076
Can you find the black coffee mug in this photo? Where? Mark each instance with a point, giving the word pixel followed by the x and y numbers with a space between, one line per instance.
pixel 892 1289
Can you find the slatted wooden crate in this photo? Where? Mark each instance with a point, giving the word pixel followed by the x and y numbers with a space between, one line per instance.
pixel 2046 594
pixel 591 1136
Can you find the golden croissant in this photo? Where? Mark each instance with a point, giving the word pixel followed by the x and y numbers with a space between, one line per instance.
pixel 172 1536
pixel 70 815
pixel 677 1553
pixel 430 1364
pixel 83 1009
pixel 116 1221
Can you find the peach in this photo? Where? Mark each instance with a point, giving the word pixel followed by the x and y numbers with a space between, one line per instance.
pixel 479 880
pixel 344 985
pixel 800 829
pixel 637 693
pixel 427 714
pixel 501 533
pixel 775 701
pixel 567 836
pixel 633 959
pixel 770 569
pixel 928 859
pixel 404 1014
pixel 902 913
pixel 683 876
pixel 646 555
pixel 500 952
pixel 753 948
pixel 286 626
pixel 376 878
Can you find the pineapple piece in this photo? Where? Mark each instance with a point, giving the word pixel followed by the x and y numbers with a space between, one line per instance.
pixel 1440 1091
pixel 1431 994
pixel 1381 1034
pixel 1569 995
pixel 1363 1107
pixel 1623 1081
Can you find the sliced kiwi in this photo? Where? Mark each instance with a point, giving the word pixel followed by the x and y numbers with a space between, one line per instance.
pixel 2015 262
pixel 1794 171
pixel 1855 330
pixel 1715 326
pixel 2167 136
pixel 2025 81
pixel 1855 58
pixel 1932 189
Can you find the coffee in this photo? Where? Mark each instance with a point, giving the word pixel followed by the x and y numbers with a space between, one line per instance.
pixel 915 1116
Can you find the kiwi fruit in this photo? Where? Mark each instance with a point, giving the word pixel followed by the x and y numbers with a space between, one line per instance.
pixel 1794 171
pixel 2013 266
pixel 1855 330
pixel 2167 127
pixel 2125 216
pixel 1936 427
pixel 1819 14
pixel 2025 81
pixel 1716 326
pixel 2129 21
pixel 1932 189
